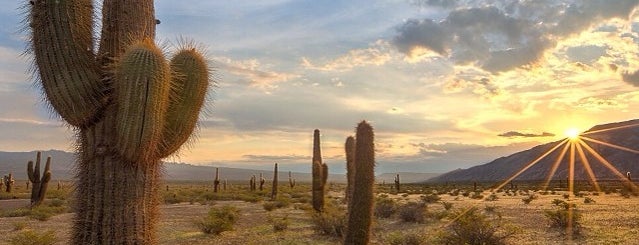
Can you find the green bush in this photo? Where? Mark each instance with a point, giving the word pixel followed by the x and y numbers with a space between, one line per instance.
pixel 432 198
pixel 385 207
pixel 331 221
pixel 280 223
pixel 492 197
pixel 447 205
pixel 564 217
pixel 404 238
pixel 529 198
pixel 30 237
pixel 413 212
pixel 473 228
pixel 218 220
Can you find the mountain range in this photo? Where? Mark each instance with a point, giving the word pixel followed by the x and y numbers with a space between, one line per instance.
pixel 620 139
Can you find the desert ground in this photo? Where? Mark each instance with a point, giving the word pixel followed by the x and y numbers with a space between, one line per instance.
pixel 611 219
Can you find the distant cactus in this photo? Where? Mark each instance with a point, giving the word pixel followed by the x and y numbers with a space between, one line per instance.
pixel 129 106
pixel 224 185
pixel 628 176
pixel 349 149
pixel 361 205
pixel 28 182
pixel 397 183
pixel 318 188
pixel 40 184
pixel 274 189
pixel 8 182
pixel 252 184
pixel 262 182
pixel 291 181
pixel 216 182
pixel 59 185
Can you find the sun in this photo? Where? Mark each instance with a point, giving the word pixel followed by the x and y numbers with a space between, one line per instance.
pixel 572 133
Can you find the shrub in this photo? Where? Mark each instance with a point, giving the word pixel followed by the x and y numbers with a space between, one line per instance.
pixel 18 226
pixel 477 195
pixel 565 216
pixel 472 227
pixel 447 205
pixel 492 197
pixel 566 195
pixel 331 221
pixel 413 212
pixel 432 198
pixel 30 237
pixel 405 238
pixel 529 198
pixel 385 208
pixel 279 224
pixel 490 209
pixel 588 200
pixel 218 220
pixel 269 206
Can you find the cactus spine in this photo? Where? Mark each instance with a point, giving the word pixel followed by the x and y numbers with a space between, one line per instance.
pixel 360 210
pixel 216 182
pixel 129 105
pixel 318 189
pixel 8 182
pixel 274 190
pixel 40 184
pixel 349 149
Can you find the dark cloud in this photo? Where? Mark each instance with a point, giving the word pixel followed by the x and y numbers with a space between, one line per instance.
pixel 504 35
pixel 631 77
pixel 512 134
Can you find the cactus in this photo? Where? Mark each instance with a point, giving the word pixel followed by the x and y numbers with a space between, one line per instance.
pixel 324 176
pixel 216 182
pixel 318 189
pixel 397 183
pixel 628 176
pixel 2 183
pixel 360 208
pixel 8 182
pixel 224 185
pixel 129 106
pixel 291 181
pixel 262 182
pixel 40 184
pixel 253 185
pixel 349 149
pixel 274 189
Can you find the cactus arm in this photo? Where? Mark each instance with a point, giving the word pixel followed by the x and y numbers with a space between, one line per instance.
pixel 47 166
pixel 62 42
pixel 349 149
pixel 141 92
pixel 30 172
pixel 125 22
pixel 36 170
pixel 191 80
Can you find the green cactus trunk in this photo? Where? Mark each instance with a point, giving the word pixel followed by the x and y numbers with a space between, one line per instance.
pixel 39 184
pixel 216 182
pixel 129 105
pixel 360 211
pixel 274 189
pixel 318 188
pixel 349 149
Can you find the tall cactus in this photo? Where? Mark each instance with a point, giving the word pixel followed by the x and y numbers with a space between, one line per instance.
pixel 397 183
pixel 216 182
pixel 274 189
pixel 129 105
pixel 349 149
pixel 361 206
pixel 318 189
pixel 291 181
pixel 39 184
pixel 262 182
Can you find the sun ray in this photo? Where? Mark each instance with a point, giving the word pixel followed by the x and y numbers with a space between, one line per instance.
pixel 531 164
pixel 555 165
pixel 606 163
pixel 610 129
pixel 586 164
pixel 611 145
pixel 571 169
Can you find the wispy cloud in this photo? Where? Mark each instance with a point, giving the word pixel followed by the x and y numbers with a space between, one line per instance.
pixel 512 134
pixel 376 55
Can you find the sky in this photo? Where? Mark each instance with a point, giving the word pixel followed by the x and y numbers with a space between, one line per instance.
pixel 446 84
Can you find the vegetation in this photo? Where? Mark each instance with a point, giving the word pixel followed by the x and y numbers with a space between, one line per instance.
pixel 30 237
pixel 218 220
pixel 474 228
pixel 39 186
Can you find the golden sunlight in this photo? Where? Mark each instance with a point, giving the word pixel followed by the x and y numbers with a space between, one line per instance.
pixel 572 133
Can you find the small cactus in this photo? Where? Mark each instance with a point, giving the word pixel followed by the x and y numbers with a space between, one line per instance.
pixel 262 182
pixel 274 190
pixel 8 182
pixel 40 184
pixel 216 182
pixel 628 176
pixel 224 185
pixel 397 183
pixel 252 183
pixel 360 208
pixel 291 181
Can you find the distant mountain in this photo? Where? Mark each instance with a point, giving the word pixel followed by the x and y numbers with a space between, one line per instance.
pixel 16 163
pixel 624 134
pixel 405 177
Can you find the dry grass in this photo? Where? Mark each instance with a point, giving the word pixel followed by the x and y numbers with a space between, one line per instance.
pixel 611 219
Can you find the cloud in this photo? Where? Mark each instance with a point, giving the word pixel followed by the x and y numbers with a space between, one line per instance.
pixel 504 35
pixel 512 134
pixel 253 73
pixel 375 55
pixel 631 77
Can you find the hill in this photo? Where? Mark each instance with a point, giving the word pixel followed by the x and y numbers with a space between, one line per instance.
pixel 622 134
